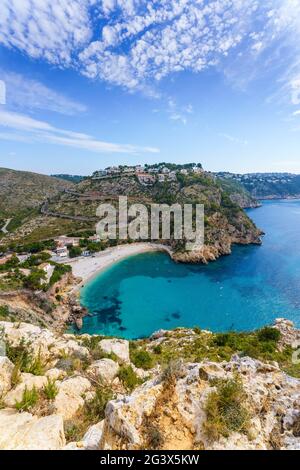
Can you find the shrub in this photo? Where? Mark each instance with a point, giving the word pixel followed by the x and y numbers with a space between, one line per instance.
pixel 29 400
pixel 173 371
pixel 142 359
pixel 154 437
pixel 50 390
pixel 268 334
pixel 4 312
pixel 95 408
pixel 19 355
pixel 225 409
pixel 128 377
pixel 59 271
pixel 157 349
pixel 74 251
pixel 24 360
pixel 36 365
pixel 16 375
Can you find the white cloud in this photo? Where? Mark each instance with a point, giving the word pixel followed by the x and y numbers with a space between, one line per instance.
pixel 136 43
pixel 27 129
pixel 48 29
pixel 27 94
pixel 296 113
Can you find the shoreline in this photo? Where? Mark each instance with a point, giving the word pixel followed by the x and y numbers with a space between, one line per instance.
pixel 88 268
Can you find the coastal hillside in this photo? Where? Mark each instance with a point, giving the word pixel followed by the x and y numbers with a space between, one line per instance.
pixel 22 193
pixel 73 211
pixel 265 185
pixel 225 221
pixel 186 389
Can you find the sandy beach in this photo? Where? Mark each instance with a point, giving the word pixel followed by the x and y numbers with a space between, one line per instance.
pixel 87 268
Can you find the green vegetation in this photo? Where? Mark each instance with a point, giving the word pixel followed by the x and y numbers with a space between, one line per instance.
pixel 225 409
pixel 59 271
pixel 261 344
pixel 29 400
pixel 4 312
pixel 50 390
pixel 24 359
pixel 74 251
pixel 95 408
pixel 141 359
pixel 268 334
pixel 128 377
pixel 92 412
pixel 35 280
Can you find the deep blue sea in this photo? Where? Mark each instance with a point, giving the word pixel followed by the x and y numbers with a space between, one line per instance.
pixel 243 291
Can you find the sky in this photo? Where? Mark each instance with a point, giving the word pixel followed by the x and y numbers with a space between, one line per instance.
pixel 86 84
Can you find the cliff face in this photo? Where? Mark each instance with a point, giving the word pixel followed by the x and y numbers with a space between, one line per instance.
pixel 181 389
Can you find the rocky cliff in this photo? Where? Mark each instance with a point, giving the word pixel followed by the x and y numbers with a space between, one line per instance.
pixel 74 210
pixel 180 389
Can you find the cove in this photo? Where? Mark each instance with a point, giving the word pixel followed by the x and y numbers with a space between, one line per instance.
pixel 243 291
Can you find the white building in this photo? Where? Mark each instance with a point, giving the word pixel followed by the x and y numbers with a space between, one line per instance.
pixel 64 241
pixel 62 252
pixel 48 270
pixel 146 179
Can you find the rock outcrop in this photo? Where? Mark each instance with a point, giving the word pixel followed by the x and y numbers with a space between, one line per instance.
pixel 67 398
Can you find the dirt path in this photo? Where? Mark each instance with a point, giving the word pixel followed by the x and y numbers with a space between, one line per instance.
pixel 4 228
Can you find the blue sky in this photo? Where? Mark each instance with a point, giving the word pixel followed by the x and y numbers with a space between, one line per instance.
pixel 85 84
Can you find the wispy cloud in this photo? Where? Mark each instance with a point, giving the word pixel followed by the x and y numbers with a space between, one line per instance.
pixel 2 92
pixel 235 140
pixel 27 94
pixel 177 112
pixel 25 128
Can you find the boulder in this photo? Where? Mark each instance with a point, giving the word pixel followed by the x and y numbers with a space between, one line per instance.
pixel 45 434
pixel 119 347
pixel 67 405
pixel 6 369
pixel 55 374
pixel 70 396
pixel 93 437
pixel 76 386
pixel 28 381
pixel 104 369
pixel 22 431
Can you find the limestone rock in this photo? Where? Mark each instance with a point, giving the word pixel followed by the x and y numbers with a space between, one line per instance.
pixel 55 374
pixel 70 396
pixel 46 433
pixel 6 369
pixel 93 437
pixel 120 347
pixel 23 431
pixel 28 381
pixel 104 369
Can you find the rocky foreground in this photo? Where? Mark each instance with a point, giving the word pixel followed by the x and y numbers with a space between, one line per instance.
pixel 180 389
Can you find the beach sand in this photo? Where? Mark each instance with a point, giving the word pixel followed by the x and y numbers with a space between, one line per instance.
pixel 88 268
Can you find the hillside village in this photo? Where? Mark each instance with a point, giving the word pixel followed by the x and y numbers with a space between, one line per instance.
pixel 149 174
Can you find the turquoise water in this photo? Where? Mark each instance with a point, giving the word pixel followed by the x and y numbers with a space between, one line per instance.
pixel 243 291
